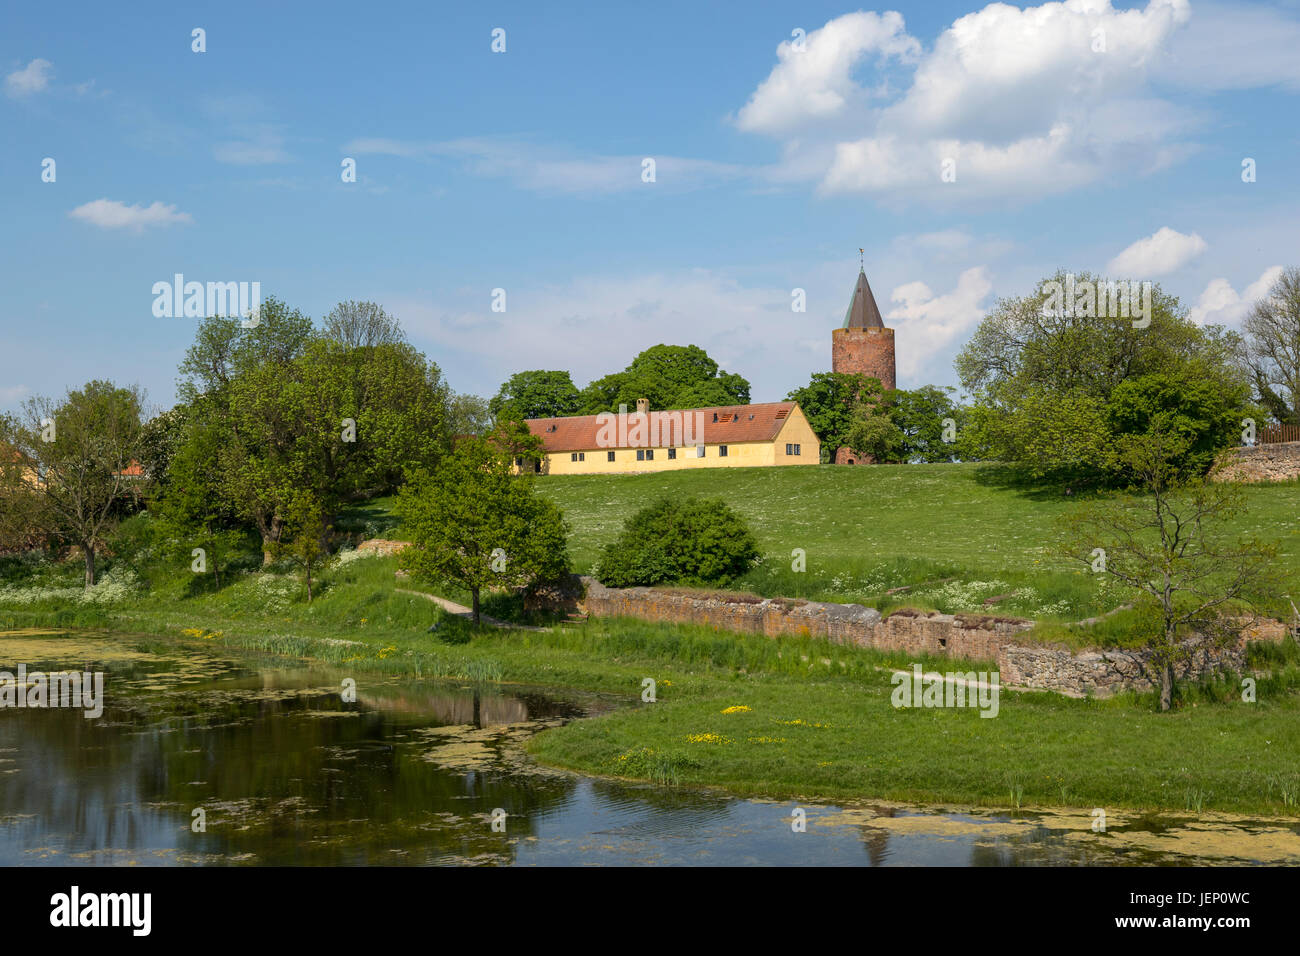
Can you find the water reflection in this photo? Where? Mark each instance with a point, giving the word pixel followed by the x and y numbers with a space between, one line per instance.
pixel 288 773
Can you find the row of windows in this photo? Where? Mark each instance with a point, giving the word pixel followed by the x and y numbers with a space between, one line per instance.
pixel 648 454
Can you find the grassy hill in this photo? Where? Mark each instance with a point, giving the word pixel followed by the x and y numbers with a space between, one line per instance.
pixel 869 530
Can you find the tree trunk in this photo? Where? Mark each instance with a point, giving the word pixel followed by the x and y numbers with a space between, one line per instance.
pixel 1166 685
pixel 477 619
pixel 88 552
pixel 307 569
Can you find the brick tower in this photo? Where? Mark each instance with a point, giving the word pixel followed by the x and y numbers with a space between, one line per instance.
pixel 863 344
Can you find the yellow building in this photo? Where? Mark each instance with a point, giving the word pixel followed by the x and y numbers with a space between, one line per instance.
pixel 736 436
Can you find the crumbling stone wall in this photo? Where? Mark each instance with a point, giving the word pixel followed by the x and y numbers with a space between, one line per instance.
pixel 1274 462
pixel 973 637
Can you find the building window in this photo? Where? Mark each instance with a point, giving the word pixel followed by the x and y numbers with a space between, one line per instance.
pixel 582 456
pixel 640 454
pixel 537 466
pixel 699 451
pixel 722 451
pixel 574 455
pixel 649 454
pixel 609 456
pixel 672 453
pixel 792 449
pixel 519 463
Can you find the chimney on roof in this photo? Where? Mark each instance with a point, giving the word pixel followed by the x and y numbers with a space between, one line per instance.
pixel 643 406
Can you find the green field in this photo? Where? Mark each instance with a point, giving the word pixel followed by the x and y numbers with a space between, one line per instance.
pixel 818 721
pixel 868 530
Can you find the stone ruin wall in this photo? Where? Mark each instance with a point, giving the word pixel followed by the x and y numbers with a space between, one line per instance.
pixel 969 637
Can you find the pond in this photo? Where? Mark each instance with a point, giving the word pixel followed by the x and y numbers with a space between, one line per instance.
pixel 282 770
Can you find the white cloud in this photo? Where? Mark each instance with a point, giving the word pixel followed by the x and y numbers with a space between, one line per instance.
pixel 11 393
pixel 1160 253
pixel 114 214
pixel 1220 304
pixel 33 78
pixel 1025 102
pixel 926 324
pixel 815 83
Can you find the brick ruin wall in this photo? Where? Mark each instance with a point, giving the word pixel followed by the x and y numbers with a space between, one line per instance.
pixel 968 637
pixel 1273 462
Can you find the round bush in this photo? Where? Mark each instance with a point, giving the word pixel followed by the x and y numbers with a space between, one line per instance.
pixel 679 541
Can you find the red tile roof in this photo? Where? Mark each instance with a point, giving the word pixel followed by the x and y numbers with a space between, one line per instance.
pixel 725 424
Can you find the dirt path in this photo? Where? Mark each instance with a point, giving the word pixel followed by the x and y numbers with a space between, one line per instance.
pixel 460 610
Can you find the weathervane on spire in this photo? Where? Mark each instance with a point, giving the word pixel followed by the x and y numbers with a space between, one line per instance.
pixel 861 262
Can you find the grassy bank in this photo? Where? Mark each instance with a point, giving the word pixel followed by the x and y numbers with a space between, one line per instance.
pixel 778 717
pixel 954 535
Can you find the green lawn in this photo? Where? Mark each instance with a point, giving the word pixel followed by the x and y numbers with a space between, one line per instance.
pixel 867 530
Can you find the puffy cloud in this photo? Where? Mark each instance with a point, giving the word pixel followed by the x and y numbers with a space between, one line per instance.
pixel 33 78
pixel 1162 252
pixel 926 325
pixel 1220 304
pixel 114 214
pixel 813 80
pixel 1023 102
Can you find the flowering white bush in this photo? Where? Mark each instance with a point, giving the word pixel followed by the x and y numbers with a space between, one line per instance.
pixel 348 555
pixel 113 587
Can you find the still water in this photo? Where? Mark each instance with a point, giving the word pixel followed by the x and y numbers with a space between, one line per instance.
pixel 412 772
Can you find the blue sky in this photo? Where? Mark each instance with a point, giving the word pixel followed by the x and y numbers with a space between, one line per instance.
pixel 1083 135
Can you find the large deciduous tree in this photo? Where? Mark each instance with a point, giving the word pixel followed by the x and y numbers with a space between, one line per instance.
pixel 536 394
pixel 72 466
pixel 1043 378
pixel 1272 348
pixel 477 524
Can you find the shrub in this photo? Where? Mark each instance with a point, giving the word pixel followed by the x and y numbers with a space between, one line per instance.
pixel 679 541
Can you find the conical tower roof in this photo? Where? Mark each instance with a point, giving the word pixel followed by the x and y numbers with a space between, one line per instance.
pixel 863 312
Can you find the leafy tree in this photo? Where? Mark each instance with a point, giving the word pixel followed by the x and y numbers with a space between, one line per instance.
pixel 920 414
pixel 467 415
pixel 1205 417
pixel 671 377
pixel 1172 547
pixel 1042 380
pixel 70 471
pixel 536 394
pixel 342 414
pixel 830 401
pixel 679 540
pixel 477 524
pixel 362 325
pixel 303 541
pixel 874 433
pixel 1272 348
pixel 191 509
